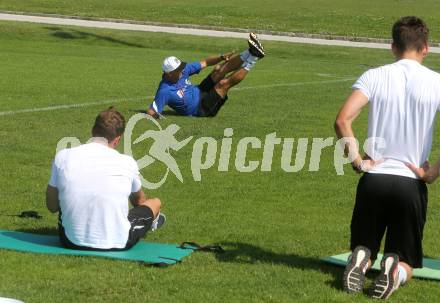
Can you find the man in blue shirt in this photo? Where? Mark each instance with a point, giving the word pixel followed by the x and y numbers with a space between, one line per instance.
pixel 205 99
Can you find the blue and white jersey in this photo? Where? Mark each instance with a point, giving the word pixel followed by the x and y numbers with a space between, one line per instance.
pixel 182 96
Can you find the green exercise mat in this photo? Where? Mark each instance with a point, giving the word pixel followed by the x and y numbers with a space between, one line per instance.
pixel 430 270
pixel 152 253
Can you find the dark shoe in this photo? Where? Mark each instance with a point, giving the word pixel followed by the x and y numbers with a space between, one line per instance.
pixel 354 274
pixel 254 38
pixel 158 222
pixel 255 47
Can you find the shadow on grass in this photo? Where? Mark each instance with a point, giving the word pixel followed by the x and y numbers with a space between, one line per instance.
pixel 164 113
pixel 53 231
pixel 245 253
pixel 73 34
pixel 141 111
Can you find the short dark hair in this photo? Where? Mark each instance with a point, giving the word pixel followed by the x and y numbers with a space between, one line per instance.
pixel 410 33
pixel 109 124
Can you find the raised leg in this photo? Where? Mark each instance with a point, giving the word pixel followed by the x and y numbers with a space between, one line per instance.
pixel 221 70
pixel 224 85
pixel 154 204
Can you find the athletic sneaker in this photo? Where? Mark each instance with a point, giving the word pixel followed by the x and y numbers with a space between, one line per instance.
pixel 255 47
pixel 254 38
pixel 357 265
pixel 388 280
pixel 158 222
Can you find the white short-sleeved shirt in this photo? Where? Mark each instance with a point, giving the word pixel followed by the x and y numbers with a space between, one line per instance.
pixel 94 183
pixel 404 98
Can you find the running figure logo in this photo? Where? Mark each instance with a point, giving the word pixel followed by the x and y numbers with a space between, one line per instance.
pixel 164 141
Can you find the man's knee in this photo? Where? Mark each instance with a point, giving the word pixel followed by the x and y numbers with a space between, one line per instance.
pixel 217 73
pixel 154 204
pixel 218 67
pixel 222 87
pixel 224 84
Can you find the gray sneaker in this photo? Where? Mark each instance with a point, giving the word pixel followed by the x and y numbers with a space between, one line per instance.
pixel 354 274
pixel 388 280
pixel 158 222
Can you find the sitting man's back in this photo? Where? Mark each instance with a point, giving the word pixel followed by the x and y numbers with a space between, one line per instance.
pixel 91 184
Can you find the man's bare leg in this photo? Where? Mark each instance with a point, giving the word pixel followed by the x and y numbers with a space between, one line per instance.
pixel 154 204
pixel 221 70
pixel 224 85
pixel 245 59
pixel 248 62
pixel 239 65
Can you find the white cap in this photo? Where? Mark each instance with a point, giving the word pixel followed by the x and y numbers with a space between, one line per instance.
pixel 171 64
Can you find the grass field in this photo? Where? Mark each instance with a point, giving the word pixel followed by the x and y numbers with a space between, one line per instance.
pixel 274 225
pixel 337 17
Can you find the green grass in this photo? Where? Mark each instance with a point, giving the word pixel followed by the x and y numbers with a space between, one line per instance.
pixel 337 17
pixel 274 225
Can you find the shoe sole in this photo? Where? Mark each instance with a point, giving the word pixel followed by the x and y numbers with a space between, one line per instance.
pixel 354 274
pixel 257 51
pixel 383 286
pixel 254 38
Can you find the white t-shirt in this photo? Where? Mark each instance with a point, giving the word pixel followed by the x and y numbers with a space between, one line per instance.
pixel 404 98
pixel 94 183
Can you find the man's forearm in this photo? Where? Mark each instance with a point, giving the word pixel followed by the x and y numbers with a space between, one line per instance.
pixel 433 173
pixel 153 113
pixel 137 198
pixel 343 125
pixel 344 130
pixel 52 202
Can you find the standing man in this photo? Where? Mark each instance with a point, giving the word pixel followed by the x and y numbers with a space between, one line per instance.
pixel 205 99
pixel 90 187
pixel 404 98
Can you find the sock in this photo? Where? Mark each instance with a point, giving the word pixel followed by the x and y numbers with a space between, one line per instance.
pixel 244 55
pixel 248 65
pixel 252 59
pixel 402 274
pixel 248 60
pixel 154 224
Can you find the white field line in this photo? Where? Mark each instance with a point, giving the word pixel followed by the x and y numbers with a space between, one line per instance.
pixel 189 31
pixel 294 84
pixel 66 106
pixel 79 105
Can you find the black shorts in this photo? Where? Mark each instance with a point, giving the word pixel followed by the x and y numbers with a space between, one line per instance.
pixel 140 217
pixel 210 100
pixel 394 204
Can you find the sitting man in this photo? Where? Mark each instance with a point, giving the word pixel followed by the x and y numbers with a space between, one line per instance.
pixel 90 187
pixel 206 99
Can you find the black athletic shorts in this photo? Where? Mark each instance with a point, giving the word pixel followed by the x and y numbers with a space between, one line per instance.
pixel 210 100
pixel 395 205
pixel 141 219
